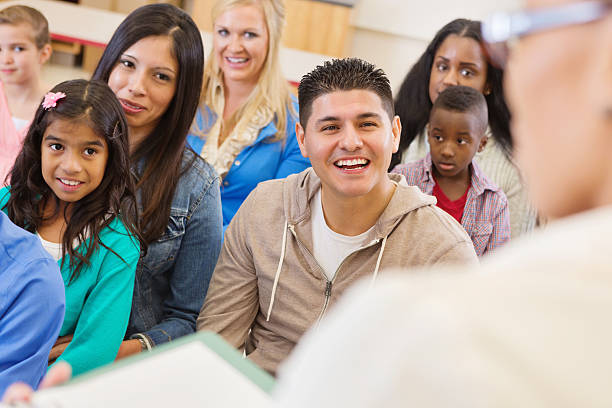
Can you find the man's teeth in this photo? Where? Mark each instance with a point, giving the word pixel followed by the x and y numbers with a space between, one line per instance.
pixel 70 182
pixel 236 60
pixel 352 162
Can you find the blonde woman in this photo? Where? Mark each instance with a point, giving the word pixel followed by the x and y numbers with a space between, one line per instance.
pixel 245 126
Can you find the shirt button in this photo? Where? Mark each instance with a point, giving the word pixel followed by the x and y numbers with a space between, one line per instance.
pixel 226 183
pixel 237 162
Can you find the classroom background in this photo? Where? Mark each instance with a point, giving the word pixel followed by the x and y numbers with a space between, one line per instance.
pixel 391 34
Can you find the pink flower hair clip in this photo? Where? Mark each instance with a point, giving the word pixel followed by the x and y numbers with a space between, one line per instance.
pixel 51 99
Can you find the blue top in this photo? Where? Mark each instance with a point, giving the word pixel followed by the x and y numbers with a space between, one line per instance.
pixel 31 306
pixel 173 277
pixel 258 162
pixel 98 301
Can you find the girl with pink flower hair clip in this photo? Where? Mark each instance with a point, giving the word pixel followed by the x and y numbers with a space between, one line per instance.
pixel 51 98
pixel 72 186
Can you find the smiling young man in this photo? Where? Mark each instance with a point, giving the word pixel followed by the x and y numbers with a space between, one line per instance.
pixel 296 244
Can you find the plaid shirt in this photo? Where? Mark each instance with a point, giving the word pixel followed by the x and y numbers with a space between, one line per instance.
pixel 486 217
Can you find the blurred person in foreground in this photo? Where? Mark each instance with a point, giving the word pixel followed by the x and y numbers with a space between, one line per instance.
pixel 532 328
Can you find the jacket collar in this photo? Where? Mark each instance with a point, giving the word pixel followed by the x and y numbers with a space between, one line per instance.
pixel 299 189
pixel 479 181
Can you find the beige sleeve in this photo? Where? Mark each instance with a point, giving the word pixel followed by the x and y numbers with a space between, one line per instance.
pixel 462 253
pixel 232 301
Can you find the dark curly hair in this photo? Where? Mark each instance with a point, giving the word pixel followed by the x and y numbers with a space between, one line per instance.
pixel 95 104
pixel 412 102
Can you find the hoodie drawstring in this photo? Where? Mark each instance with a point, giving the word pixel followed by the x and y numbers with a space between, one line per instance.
pixel 282 258
pixel 382 249
pixel 278 271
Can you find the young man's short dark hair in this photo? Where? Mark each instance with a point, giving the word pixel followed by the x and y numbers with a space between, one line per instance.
pixel 463 99
pixel 343 75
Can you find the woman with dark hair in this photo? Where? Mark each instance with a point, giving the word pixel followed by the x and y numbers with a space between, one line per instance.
pixel 154 63
pixel 455 57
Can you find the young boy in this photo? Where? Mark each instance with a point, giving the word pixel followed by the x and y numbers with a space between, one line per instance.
pixel 456 131
pixel 25 46
pixel 296 244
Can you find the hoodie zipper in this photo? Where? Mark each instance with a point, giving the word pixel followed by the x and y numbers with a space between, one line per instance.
pixel 328 290
pixel 328 283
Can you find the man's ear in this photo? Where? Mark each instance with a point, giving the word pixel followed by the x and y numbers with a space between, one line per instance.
pixel 396 129
pixel 299 134
pixel 483 142
pixel 45 53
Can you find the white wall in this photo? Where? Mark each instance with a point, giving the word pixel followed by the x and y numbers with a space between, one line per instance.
pixel 393 33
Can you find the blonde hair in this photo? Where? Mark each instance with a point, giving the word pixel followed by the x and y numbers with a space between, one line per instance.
pixel 14 15
pixel 272 89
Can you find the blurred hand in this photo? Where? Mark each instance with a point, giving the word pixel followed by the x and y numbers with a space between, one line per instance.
pixel 21 392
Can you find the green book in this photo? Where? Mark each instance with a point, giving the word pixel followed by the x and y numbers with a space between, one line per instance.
pixel 200 370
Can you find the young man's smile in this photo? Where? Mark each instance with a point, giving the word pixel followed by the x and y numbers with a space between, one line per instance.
pixel 352 164
pixel 349 140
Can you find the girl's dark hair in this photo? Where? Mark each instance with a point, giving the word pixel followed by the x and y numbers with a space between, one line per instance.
pixel 94 104
pixel 412 103
pixel 158 161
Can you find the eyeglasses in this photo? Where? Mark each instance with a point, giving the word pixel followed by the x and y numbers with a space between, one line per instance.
pixel 502 29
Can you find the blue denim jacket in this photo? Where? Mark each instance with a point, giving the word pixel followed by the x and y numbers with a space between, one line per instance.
pixel 173 277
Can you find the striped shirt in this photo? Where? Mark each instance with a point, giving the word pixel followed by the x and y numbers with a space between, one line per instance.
pixel 486 217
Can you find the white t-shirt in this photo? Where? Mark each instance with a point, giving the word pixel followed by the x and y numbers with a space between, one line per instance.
pixel 53 248
pixel 331 248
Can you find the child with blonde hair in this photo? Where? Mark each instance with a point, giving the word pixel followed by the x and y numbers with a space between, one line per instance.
pixel 25 46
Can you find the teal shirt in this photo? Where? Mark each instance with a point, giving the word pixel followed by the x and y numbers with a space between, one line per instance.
pixel 99 301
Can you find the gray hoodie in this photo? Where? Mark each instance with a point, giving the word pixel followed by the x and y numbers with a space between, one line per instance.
pixel 267 280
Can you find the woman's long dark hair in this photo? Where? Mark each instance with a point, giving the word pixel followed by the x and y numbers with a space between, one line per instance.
pixel 412 103
pixel 94 104
pixel 162 153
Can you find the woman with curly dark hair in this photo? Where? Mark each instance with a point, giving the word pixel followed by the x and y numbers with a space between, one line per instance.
pixel 455 57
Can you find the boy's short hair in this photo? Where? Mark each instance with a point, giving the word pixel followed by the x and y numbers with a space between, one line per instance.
pixel 343 75
pixel 23 14
pixel 463 99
